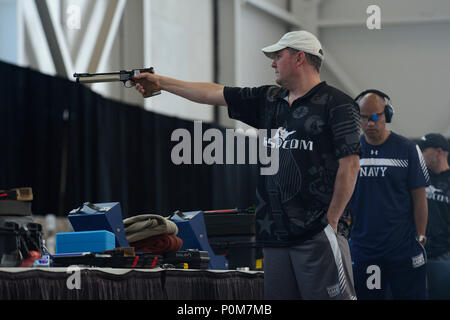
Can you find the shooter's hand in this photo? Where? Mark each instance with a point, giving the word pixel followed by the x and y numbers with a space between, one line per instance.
pixel 146 83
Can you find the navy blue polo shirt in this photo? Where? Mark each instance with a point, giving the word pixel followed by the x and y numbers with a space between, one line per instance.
pixel 383 219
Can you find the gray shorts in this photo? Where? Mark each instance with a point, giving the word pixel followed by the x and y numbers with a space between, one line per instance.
pixel 319 268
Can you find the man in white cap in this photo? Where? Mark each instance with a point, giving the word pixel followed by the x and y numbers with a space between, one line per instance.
pixel 302 217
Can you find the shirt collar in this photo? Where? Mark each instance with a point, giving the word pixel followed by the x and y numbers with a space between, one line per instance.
pixel 284 93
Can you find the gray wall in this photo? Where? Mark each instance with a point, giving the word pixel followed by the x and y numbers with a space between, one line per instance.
pixel 8 31
pixel 408 57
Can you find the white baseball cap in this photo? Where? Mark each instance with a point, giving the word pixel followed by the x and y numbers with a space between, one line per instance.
pixel 300 40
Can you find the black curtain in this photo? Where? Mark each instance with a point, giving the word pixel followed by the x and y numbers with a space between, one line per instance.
pixel 133 285
pixel 71 145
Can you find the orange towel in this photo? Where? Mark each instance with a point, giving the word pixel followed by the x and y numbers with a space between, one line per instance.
pixel 159 244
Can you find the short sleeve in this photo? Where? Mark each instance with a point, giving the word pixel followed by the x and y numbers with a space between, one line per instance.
pixel 246 104
pixel 345 127
pixel 418 175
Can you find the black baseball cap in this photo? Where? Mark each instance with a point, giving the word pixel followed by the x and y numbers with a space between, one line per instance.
pixel 434 140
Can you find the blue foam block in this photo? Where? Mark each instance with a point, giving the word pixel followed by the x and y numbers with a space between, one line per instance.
pixel 84 241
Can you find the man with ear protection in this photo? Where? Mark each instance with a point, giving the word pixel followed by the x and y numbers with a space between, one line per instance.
pixel 389 208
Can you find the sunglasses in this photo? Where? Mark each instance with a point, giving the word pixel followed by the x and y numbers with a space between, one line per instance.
pixel 372 117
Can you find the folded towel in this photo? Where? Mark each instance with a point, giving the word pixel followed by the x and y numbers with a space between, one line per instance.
pixel 158 244
pixel 147 225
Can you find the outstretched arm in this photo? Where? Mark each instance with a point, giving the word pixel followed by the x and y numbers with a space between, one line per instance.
pixel 200 92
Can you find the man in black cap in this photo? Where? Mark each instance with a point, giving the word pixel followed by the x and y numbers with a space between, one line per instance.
pixel 435 149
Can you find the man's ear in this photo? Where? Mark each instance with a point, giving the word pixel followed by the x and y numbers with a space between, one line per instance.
pixel 298 59
pixel 301 55
pixel 441 151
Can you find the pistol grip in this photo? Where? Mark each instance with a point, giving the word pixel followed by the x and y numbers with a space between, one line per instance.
pixel 153 93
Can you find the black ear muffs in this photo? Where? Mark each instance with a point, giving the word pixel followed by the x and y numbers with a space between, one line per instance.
pixel 388 109
pixel 388 112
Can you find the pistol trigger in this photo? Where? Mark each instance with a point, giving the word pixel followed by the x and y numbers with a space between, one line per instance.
pixel 125 84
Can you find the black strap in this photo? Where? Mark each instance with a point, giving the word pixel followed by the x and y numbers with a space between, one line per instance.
pixel 178 213
pixel 91 206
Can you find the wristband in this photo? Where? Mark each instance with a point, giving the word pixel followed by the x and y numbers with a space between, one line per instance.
pixel 422 238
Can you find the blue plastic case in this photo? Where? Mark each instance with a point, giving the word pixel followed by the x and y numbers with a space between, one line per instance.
pixel 84 241
pixel 100 216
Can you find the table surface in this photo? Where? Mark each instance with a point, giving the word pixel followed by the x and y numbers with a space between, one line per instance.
pixel 122 270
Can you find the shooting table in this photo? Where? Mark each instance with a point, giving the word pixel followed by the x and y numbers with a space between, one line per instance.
pixel 130 284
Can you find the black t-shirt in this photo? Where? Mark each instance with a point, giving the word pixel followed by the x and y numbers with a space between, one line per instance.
pixel 318 129
pixel 438 226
